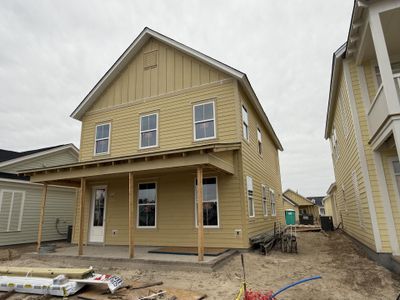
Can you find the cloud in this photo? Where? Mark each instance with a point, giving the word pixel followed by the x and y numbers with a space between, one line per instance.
pixel 52 53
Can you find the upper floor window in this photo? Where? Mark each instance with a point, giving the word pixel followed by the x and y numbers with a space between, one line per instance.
pixel 259 141
pixel 245 120
pixel 273 203
pixel 334 145
pixel 149 130
pixel 395 70
pixel 204 121
pixel 102 139
pixel 250 196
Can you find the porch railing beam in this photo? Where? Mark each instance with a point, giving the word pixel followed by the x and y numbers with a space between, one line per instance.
pixel 200 229
pixel 131 217
pixel 82 197
pixel 42 212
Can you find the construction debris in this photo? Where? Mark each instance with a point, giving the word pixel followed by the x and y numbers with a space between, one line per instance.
pixel 304 228
pixel 56 282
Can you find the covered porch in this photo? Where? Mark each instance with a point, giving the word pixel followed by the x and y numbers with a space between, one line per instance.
pixel 152 199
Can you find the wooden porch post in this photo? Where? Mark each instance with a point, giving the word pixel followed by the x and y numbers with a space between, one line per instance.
pixel 131 217
pixel 81 215
pixel 200 230
pixel 41 220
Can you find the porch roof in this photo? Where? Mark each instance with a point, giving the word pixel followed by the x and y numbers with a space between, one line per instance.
pixel 205 155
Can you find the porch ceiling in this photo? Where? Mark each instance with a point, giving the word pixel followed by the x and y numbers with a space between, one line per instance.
pixel 206 156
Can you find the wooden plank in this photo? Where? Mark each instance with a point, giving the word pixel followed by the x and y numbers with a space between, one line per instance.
pixel 75 273
pixel 81 215
pixel 200 229
pixel 131 216
pixel 41 218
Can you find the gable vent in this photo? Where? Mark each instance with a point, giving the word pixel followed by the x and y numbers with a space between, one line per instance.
pixel 150 59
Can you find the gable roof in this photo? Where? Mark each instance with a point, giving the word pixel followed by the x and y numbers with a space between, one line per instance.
pixel 133 49
pixel 8 157
pixel 303 200
pixel 290 201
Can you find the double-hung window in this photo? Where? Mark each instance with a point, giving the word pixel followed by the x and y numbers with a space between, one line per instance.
pixel 11 210
pixel 149 130
pixel 250 196
pixel 273 203
pixel 147 205
pixel 210 202
pixel 245 121
pixel 264 199
pixel 204 121
pixel 334 145
pixel 259 141
pixel 102 139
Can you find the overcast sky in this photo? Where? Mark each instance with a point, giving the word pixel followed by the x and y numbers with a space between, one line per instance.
pixel 53 52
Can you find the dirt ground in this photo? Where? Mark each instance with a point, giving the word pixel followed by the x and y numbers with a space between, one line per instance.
pixel 346 273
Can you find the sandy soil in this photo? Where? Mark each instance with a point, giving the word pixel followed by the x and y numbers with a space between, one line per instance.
pixel 346 273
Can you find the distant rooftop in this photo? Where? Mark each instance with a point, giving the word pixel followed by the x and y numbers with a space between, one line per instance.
pixel 8 154
pixel 317 200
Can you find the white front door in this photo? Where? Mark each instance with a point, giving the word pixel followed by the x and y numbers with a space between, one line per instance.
pixel 97 214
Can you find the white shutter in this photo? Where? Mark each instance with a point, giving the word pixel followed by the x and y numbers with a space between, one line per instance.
pixel 249 183
pixel 5 205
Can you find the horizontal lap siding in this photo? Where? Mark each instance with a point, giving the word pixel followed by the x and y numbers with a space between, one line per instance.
pixel 175 212
pixel 60 204
pixel 297 198
pixel 175 122
pixel 381 219
pixel 264 169
pixel 55 159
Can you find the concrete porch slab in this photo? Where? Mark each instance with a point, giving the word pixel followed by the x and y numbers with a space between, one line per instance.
pixel 117 256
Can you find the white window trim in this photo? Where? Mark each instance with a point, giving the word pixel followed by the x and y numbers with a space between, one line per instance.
pixel 155 206
pixel 252 197
pixel 109 139
pixel 273 211
pixel 247 124
pixel 140 131
pixel 259 142
pixel 264 202
pixel 195 204
pixel 21 214
pixel 203 121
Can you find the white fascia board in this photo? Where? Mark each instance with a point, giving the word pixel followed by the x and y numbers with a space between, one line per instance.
pixel 336 67
pixel 71 147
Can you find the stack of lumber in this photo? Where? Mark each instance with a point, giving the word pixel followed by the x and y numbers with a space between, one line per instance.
pixel 305 228
pixel 45 272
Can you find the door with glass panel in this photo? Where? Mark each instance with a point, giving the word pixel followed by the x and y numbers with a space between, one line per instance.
pixel 97 214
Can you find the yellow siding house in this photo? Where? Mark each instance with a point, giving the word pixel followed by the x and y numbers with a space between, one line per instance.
pixel 363 127
pixel 176 150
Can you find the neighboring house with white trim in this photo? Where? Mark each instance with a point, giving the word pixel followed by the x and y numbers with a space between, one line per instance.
pixel 363 126
pixel 164 116
pixel 301 205
pixel 20 199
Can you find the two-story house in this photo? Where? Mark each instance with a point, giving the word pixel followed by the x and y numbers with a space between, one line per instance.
pixel 176 150
pixel 363 126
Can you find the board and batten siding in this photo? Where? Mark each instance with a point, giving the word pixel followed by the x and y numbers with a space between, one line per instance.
pixel 173 71
pixel 175 211
pixel 175 124
pixel 264 169
pixel 54 159
pixel 60 204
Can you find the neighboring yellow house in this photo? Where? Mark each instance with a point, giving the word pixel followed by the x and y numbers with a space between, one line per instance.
pixel 363 127
pixel 163 117
pixel 300 204
pixel 330 205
